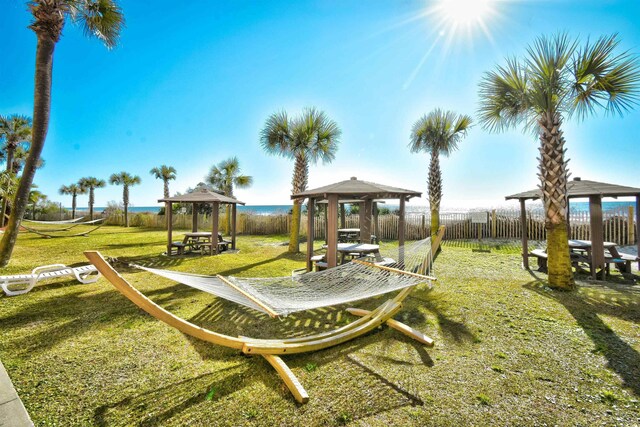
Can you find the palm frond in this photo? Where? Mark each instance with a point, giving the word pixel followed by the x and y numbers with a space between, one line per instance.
pixel 504 97
pixel 603 79
pixel 99 18
pixel 275 136
pixel 91 182
pixel 439 132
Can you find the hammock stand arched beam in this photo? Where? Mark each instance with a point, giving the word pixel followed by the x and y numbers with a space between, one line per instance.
pixel 42 233
pixel 271 349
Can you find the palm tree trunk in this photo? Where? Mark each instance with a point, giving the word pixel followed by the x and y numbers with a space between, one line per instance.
pixel 91 200
pixel 125 202
pixel 10 150
pixel 434 182
pixel 299 183
pixel 553 183
pixel 73 206
pixel 166 188
pixel 41 112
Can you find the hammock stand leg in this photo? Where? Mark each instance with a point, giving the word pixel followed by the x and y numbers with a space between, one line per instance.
pixel 290 380
pixel 398 326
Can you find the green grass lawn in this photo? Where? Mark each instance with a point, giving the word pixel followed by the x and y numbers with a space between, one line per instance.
pixel 509 351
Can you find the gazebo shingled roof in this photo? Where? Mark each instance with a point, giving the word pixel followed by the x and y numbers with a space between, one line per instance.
pixel 356 188
pixel 584 188
pixel 595 191
pixel 201 196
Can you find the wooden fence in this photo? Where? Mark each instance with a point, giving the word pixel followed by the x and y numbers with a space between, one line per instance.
pixel 619 225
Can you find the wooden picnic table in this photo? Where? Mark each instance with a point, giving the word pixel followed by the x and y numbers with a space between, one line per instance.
pixel 200 240
pixel 622 261
pixel 358 250
pixel 347 235
pixel 581 251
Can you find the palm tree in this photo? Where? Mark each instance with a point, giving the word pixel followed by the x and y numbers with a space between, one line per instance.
pixel 99 18
pixel 73 190
pixel 126 180
pixel 14 130
pixel 90 184
pixel 437 133
pixel 165 173
pixel 558 78
pixel 20 155
pixel 224 176
pixel 310 137
pixel 35 197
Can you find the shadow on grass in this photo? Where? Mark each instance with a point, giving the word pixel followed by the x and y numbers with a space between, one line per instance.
pixel 451 328
pixel 66 317
pixel 586 308
pixel 504 246
pixel 155 407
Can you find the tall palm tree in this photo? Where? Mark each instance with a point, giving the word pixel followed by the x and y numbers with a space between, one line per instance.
pixel 438 133
pixel 310 137
pixel 558 78
pixel 14 130
pixel 99 18
pixel 126 180
pixel 224 176
pixel 165 173
pixel 72 190
pixel 90 184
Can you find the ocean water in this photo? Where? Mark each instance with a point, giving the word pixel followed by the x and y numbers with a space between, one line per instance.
pixel 285 209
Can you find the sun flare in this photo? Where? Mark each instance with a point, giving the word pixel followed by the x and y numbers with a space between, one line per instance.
pixel 464 12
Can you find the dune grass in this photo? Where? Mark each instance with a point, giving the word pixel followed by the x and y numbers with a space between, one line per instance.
pixel 509 351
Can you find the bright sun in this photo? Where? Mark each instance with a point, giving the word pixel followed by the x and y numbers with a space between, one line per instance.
pixel 463 12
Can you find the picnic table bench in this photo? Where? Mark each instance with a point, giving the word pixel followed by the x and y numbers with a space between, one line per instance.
pixel 581 254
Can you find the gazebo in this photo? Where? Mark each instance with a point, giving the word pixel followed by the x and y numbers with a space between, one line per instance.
pixel 595 191
pixel 350 191
pixel 202 195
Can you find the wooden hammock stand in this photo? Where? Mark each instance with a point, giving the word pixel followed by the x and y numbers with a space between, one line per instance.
pixel 272 349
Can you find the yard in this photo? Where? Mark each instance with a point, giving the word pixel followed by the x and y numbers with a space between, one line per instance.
pixel 509 351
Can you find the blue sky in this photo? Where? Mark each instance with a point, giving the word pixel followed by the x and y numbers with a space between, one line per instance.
pixel 192 83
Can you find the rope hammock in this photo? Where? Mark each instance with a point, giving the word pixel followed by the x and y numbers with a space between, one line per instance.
pixel 66 221
pixel 51 232
pixel 280 296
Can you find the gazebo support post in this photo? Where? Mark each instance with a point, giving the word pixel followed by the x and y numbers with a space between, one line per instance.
pixel 234 213
pixel 568 214
pixel 194 217
pixel 376 225
pixel 365 221
pixel 401 232
pixel 597 235
pixel 311 214
pixel 332 230
pixel 215 208
pixel 326 223
pixel 638 225
pixel 168 211
pixel 525 243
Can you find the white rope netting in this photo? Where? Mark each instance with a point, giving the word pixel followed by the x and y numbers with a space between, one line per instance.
pixel 67 228
pixel 349 282
pixel 66 221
